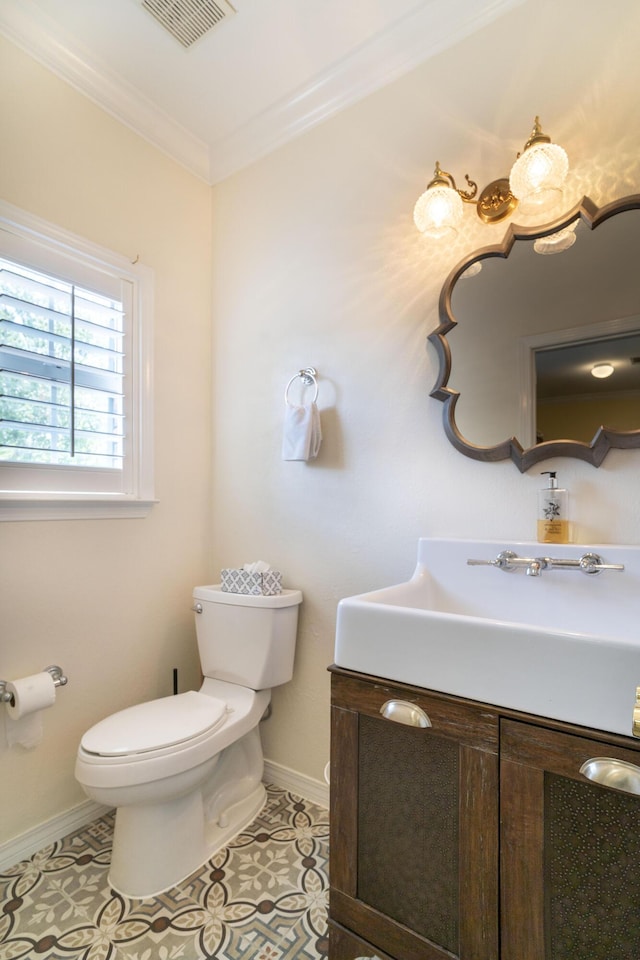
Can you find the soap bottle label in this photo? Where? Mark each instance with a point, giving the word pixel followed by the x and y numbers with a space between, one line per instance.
pixel 552 526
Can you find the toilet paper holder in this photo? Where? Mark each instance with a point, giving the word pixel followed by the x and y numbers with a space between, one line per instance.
pixel 59 680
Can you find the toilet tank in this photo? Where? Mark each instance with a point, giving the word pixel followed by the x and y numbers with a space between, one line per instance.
pixel 244 639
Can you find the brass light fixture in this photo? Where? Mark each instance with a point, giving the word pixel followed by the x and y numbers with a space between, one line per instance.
pixel 535 182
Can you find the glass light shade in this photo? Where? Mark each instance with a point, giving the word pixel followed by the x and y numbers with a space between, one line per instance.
pixel 472 271
pixel 602 370
pixel 538 175
pixel 438 212
pixel 556 242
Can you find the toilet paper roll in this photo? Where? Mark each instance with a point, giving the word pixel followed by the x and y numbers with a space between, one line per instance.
pixel 30 695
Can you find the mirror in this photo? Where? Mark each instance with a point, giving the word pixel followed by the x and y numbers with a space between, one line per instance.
pixel 519 340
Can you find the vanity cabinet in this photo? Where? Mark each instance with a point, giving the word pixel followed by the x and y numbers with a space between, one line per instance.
pixel 414 825
pixel 476 837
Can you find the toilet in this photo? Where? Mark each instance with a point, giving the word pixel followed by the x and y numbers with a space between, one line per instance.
pixel 185 772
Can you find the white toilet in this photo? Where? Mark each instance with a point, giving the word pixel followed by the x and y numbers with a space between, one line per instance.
pixel 185 772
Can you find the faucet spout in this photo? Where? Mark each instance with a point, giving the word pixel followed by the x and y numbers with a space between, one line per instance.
pixel 535 567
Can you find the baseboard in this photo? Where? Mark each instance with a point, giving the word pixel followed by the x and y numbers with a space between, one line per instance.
pixel 25 845
pixel 307 787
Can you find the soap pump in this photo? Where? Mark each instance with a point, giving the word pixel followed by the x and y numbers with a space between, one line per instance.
pixel 553 512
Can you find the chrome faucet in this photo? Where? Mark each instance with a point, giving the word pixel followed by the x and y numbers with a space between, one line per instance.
pixel 507 560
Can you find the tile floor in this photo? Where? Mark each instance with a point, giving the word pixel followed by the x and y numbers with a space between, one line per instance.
pixel 264 897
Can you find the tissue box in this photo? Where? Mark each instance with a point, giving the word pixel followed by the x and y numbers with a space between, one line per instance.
pixel 258 584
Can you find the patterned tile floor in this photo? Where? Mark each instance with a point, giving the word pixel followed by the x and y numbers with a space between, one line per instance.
pixel 264 897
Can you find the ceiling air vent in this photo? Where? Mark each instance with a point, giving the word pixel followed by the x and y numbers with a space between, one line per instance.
pixel 188 20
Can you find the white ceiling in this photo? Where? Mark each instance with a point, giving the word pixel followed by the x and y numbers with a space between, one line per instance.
pixel 263 75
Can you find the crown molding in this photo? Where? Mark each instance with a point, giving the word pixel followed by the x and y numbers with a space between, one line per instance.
pixel 389 55
pixel 30 30
pixel 426 31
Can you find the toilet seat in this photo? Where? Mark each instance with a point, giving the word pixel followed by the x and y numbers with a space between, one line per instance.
pixel 239 709
pixel 154 726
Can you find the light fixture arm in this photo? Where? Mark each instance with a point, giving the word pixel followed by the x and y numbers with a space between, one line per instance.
pixel 537 136
pixel 494 203
pixel 443 179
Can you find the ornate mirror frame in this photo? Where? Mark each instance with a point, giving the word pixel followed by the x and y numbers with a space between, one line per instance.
pixel 605 438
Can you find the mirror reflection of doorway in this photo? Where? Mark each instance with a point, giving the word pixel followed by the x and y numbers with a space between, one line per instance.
pixel 584 385
pixel 561 395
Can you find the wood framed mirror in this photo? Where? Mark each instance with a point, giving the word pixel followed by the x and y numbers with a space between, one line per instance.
pixel 522 326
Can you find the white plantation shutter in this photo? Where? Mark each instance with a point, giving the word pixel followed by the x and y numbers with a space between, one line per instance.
pixel 61 372
pixel 75 385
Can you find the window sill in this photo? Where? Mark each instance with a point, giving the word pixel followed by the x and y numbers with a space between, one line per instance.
pixel 74 509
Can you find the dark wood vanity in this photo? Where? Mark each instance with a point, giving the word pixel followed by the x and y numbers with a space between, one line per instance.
pixel 477 837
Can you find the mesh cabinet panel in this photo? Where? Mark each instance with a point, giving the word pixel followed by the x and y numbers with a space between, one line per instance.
pixel 408 827
pixel 591 857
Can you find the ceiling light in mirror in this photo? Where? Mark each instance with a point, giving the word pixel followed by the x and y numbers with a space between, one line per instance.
pixel 602 370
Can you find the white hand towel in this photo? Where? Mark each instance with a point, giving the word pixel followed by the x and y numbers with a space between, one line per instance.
pixel 302 432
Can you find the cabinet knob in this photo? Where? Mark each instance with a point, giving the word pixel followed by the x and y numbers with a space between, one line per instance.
pixel 401 711
pixel 609 772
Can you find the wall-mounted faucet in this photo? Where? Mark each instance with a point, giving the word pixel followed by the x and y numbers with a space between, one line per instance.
pixel 507 560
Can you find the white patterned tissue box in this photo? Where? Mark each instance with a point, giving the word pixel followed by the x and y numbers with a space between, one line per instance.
pixel 257 584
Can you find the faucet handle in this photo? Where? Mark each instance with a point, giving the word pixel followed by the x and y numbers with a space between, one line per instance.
pixel 504 561
pixel 592 563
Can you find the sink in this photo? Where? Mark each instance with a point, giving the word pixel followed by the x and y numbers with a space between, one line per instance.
pixel 564 644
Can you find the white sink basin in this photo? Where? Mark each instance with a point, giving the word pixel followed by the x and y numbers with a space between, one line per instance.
pixel 564 644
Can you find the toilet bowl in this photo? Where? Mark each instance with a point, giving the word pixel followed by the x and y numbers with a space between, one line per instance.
pixel 185 772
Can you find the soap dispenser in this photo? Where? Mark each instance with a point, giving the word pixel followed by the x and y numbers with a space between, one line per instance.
pixel 553 512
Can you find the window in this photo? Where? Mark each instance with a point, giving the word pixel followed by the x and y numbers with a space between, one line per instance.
pixel 75 384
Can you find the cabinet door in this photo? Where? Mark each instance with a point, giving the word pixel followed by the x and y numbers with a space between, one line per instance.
pixel 346 946
pixel 414 820
pixel 570 850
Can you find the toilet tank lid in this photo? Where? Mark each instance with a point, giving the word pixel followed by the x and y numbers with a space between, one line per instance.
pixel 155 724
pixel 215 594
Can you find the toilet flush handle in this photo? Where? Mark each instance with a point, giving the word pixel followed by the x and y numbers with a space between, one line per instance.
pixel 197 608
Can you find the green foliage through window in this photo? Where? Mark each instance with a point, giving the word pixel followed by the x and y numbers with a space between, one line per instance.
pixel 61 372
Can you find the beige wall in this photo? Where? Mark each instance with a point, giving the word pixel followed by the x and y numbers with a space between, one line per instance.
pixel 315 261
pixel 579 418
pixel 108 600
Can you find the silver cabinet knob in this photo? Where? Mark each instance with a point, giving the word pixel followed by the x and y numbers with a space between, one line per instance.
pixel 609 772
pixel 401 711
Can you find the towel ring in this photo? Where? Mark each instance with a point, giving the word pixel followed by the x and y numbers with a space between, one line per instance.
pixel 308 376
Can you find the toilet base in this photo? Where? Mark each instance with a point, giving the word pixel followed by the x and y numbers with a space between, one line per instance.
pixel 235 820
pixel 158 844
pixel 168 864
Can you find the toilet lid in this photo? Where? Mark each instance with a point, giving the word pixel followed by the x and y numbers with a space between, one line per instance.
pixel 154 725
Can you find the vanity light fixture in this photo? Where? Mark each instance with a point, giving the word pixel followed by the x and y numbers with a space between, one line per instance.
pixel 535 182
pixel 602 370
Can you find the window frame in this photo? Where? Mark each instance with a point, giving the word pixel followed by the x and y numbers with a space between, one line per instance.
pixel 49 249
